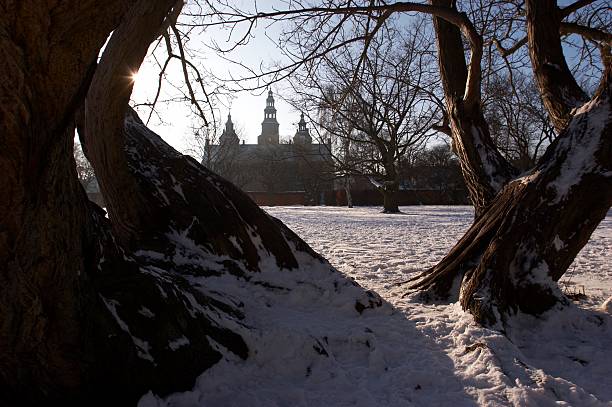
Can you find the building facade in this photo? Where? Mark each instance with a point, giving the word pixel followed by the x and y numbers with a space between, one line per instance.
pixel 297 171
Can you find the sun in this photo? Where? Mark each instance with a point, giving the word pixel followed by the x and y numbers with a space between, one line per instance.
pixel 133 76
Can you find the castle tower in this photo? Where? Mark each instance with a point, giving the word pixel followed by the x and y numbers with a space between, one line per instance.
pixel 229 136
pixel 302 135
pixel 269 126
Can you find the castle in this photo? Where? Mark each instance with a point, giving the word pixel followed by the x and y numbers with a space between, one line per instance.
pixel 296 172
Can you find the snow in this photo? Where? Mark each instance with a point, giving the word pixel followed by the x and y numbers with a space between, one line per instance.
pixel 178 343
pixel 607 306
pixel 558 243
pixel 580 145
pixel 142 347
pixel 310 347
pixel 176 186
pixel 489 160
pixel 144 311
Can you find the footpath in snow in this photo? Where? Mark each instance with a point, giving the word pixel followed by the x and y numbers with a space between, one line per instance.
pixel 406 353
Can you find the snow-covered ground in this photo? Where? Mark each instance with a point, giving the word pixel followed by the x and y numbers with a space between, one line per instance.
pixel 381 250
pixel 406 353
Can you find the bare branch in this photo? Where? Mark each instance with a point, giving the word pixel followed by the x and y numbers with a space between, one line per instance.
pixel 183 59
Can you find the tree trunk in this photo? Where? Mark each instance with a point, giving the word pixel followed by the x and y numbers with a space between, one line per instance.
pixel 389 191
pixel 347 189
pixel 558 88
pixel 510 259
pixel 47 243
pixel 484 169
pixel 99 311
pixel 71 327
pixel 526 237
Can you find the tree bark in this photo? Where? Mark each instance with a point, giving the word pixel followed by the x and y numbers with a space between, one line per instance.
pixel 347 189
pixel 558 87
pixel 45 221
pixel 390 185
pixel 107 101
pixel 533 230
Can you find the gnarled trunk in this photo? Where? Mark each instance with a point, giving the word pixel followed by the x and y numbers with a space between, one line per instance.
pixel 484 169
pixel 47 241
pixel 525 239
pixel 510 258
pixel 97 310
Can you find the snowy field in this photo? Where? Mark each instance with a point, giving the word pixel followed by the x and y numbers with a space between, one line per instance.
pixel 406 353
pixel 381 250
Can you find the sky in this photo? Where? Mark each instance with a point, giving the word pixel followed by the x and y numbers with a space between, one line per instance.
pixel 246 107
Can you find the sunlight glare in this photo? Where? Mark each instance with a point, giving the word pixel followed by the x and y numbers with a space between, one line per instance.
pixel 133 76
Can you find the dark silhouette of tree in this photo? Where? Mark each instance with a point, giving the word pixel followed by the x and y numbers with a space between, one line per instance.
pixel 437 168
pixel 91 306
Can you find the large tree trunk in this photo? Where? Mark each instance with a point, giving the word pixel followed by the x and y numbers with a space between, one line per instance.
pixel 71 325
pixel 46 225
pixel 527 237
pixel 99 311
pixel 510 258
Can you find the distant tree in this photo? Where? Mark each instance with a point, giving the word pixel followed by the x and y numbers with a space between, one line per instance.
pixel 436 167
pixel 553 208
pixel 338 133
pixel 377 104
pixel 519 124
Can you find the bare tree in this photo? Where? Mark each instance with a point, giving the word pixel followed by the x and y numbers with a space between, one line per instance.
pixel 90 303
pixel 69 282
pixel 499 277
pixel 519 123
pixel 436 167
pixel 377 104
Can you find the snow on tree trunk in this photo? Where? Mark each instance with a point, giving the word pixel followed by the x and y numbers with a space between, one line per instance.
pixel 207 231
pixel 484 169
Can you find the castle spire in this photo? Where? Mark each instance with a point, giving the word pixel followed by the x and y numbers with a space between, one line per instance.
pixel 229 125
pixel 229 135
pixel 302 136
pixel 269 126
